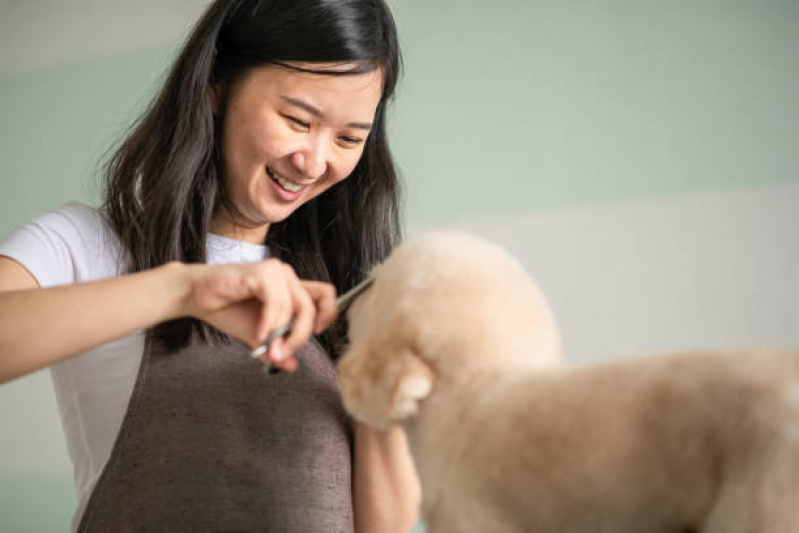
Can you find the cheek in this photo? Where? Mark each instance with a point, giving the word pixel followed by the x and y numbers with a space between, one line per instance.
pixel 266 141
pixel 345 164
pixel 275 139
pixel 340 168
pixel 251 140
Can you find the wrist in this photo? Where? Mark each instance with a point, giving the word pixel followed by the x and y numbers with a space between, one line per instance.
pixel 179 280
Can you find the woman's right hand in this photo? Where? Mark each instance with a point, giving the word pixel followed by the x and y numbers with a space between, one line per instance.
pixel 248 301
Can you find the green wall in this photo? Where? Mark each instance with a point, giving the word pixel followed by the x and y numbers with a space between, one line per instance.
pixel 524 105
pixel 58 125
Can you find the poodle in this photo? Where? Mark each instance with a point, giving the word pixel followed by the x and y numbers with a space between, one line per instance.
pixel 456 343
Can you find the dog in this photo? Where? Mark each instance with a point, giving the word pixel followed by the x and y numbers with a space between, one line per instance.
pixel 457 344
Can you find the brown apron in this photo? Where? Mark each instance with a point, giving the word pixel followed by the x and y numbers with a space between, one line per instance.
pixel 210 443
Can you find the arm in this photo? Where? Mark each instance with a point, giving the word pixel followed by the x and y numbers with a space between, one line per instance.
pixel 41 327
pixel 386 492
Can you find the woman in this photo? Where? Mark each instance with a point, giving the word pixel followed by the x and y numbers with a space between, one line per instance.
pixel 262 165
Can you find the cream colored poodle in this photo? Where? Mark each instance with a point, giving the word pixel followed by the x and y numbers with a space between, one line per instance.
pixel 456 343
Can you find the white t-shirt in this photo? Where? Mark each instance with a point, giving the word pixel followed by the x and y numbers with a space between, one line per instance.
pixel 75 244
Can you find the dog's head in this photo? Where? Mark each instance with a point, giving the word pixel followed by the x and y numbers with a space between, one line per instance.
pixel 443 307
pixel 383 379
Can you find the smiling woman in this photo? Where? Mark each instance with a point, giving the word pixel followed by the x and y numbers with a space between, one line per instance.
pixel 227 118
pixel 257 185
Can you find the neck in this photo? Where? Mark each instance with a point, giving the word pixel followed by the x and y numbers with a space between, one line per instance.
pixel 232 227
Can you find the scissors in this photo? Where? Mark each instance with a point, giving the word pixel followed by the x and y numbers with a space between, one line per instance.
pixel 342 303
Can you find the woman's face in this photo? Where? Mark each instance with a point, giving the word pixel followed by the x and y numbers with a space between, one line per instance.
pixel 287 137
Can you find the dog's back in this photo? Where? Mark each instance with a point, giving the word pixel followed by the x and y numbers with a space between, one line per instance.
pixel 695 441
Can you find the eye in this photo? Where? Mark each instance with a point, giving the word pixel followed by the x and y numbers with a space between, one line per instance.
pixel 297 122
pixel 351 141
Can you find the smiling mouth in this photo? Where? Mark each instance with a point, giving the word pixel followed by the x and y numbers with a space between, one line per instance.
pixel 283 182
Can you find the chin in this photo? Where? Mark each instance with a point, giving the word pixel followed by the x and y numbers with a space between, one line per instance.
pixel 275 214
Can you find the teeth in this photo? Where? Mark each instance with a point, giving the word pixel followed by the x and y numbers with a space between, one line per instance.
pixel 291 187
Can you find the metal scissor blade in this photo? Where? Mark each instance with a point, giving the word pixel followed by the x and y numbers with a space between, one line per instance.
pixel 342 303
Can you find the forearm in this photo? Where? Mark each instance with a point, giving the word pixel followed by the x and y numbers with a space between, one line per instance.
pixel 386 491
pixel 41 327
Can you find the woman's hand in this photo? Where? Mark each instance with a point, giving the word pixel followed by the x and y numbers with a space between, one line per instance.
pixel 249 301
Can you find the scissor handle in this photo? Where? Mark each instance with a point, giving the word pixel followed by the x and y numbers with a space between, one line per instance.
pixel 274 335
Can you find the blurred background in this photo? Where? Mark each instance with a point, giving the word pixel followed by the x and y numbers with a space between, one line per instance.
pixel 640 158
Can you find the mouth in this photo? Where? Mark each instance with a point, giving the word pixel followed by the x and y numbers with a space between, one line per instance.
pixel 284 183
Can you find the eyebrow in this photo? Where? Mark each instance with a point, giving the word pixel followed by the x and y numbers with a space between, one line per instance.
pixel 318 113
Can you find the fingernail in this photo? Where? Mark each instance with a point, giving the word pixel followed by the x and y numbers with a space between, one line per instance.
pixel 277 353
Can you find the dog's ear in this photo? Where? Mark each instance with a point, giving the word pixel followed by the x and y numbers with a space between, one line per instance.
pixel 383 382
pixel 413 381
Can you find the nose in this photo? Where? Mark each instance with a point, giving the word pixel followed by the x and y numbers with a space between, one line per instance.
pixel 312 159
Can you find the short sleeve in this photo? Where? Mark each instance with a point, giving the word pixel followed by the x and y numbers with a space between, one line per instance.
pixel 64 246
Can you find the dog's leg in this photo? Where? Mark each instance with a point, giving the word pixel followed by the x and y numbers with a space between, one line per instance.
pixel 778 502
pixel 765 501
pixel 733 511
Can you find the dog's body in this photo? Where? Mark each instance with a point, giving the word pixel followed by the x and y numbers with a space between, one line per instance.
pixel 456 343
pixel 700 441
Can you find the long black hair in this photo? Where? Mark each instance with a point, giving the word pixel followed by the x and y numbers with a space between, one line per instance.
pixel 164 184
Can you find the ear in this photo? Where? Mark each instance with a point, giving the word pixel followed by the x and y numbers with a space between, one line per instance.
pixel 381 384
pixel 413 382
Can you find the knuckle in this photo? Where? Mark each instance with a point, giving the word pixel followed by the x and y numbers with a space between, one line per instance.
pixel 304 299
pixel 329 290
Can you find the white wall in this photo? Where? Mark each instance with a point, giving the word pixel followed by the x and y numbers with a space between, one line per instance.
pixel 703 270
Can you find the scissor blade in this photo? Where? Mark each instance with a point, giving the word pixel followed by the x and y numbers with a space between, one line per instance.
pixel 344 301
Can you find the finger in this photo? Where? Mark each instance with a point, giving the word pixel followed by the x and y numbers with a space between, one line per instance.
pixel 291 364
pixel 281 358
pixel 288 279
pixel 324 298
pixel 265 318
pixel 304 314
pixel 276 301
